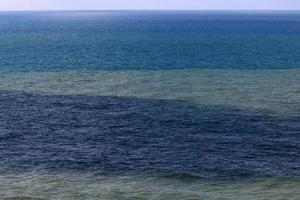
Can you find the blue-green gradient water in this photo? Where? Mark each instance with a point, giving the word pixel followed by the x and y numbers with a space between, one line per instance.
pixel 150 105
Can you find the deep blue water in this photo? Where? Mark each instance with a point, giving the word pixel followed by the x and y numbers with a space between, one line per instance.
pixel 149 40
pixel 117 135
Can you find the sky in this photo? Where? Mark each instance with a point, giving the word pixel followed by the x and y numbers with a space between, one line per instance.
pixel 150 4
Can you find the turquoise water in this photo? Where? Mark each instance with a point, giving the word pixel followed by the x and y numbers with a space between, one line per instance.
pixel 50 41
pixel 149 105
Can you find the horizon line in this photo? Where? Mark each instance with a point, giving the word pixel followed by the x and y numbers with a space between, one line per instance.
pixel 228 10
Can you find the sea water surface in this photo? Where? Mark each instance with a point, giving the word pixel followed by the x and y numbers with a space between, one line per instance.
pixel 150 105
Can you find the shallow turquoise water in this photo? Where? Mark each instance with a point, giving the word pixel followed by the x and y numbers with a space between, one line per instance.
pixel 274 92
pixel 90 186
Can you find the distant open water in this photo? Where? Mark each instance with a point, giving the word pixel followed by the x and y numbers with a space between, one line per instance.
pixel 149 105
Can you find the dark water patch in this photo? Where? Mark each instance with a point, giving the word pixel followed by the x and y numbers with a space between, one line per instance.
pixel 131 135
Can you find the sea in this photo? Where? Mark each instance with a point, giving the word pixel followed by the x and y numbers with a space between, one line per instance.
pixel 158 105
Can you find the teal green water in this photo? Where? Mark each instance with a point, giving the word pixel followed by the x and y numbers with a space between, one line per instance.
pixel 274 92
pixel 90 186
